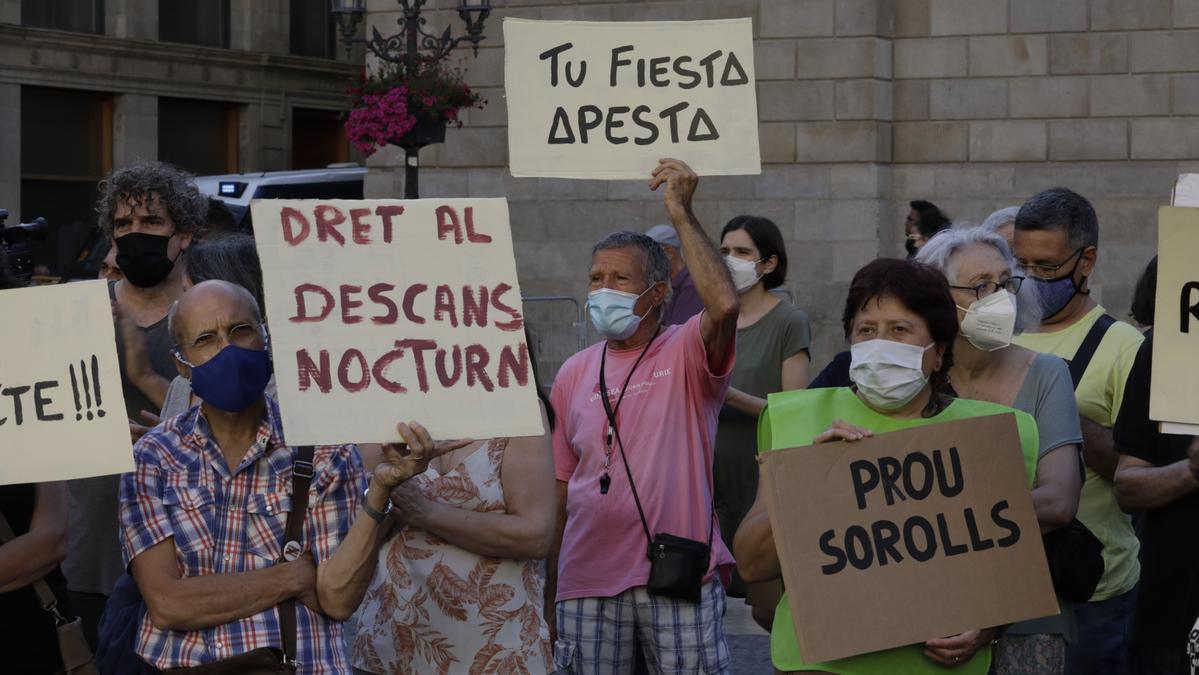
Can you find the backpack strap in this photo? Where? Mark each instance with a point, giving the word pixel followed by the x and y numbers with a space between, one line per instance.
pixel 301 479
pixel 1086 351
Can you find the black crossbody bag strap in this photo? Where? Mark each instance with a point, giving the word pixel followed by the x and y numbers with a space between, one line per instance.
pixel 620 444
pixel 1086 351
pixel 301 479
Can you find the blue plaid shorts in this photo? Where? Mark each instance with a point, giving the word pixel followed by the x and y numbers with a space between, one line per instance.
pixel 597 636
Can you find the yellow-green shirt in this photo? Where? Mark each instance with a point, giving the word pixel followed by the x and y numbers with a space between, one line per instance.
pixel 1099 396
pixel 792 419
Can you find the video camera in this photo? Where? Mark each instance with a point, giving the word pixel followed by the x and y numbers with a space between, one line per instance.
pixel 15 242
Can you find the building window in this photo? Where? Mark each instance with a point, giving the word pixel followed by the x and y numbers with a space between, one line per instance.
pixel 66 149
pixel 312 29
pixel 200 136
pixel 80 16
pixel 197 22
pixel 318 138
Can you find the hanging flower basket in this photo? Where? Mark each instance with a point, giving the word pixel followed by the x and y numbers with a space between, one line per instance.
pixel 407 104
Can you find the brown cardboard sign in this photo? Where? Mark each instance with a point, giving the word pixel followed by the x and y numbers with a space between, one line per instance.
pixel 1175 379
pixel 906 536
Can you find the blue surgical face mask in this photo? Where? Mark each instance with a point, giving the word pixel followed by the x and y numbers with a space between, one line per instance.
pixel 612 312
pixel 233 380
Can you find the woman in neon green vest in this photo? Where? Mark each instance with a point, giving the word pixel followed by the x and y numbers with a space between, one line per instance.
pixel 901 323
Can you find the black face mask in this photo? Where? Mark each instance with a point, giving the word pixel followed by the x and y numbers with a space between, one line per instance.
pixel 143 258
pixel 911 248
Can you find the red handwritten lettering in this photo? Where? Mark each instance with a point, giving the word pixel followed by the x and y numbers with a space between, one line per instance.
pixel 377 295
pixel 360 231
pixel 474 308
pixel 419 347
pixel 387 213
pixel 447 380
pixel 476 363
pixel 514 364
pixel 443 303
pixel 290 217
pixel 517 320
pixel 471 235
pixel 309 371
pixel 410 300
pixel 349 303
pixel 380 371
pixel 343 371
pixel 328 217
pixel 447 222
pixel 302 307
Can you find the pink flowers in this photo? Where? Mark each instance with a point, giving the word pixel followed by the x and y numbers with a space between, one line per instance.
pixel 379 119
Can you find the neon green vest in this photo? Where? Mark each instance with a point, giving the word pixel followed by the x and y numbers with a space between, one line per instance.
pixel 793 419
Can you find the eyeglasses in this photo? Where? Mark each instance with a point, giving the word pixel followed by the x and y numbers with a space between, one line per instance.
pixel 986 288
pixel 1049 271
pixel 208 343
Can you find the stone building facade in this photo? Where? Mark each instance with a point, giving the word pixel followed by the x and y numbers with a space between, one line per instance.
pixel 216 85
pixel 865 105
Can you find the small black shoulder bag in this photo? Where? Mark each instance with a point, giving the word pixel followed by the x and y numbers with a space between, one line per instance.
pixel 677 565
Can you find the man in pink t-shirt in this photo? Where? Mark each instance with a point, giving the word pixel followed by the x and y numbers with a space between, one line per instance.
pixel 665 387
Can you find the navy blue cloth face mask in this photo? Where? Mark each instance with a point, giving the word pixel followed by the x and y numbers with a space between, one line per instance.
pixel 1057 293
pixel 234 379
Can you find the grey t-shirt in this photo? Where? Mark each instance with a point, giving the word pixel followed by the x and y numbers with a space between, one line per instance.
pixel 93 545
pixel 781 333
pixel 1048 395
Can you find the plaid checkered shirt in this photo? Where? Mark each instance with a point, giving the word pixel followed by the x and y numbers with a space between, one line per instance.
pixel 229 522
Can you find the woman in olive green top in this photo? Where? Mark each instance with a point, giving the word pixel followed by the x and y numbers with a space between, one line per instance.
pixel 772 355
pixel 901 323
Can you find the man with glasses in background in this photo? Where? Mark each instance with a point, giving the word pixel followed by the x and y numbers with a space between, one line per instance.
pixel 1057 241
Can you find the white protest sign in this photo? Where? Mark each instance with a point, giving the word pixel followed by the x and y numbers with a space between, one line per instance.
pixel 62 413
pixel 606 100
pixel 388 311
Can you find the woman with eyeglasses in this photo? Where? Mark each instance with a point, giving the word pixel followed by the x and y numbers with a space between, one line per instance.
pixel 993 303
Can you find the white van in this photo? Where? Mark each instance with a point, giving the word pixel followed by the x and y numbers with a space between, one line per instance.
pixel 337 181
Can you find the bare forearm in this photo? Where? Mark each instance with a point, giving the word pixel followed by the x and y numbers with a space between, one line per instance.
pixel 33 555
pixel 28 558
pixel 496 535
pixel 753 546
pixel 708 271
pixel 745 403
pixel 342 580
pixel 1097 451
pixel 1142 488
pixel 192 603
pixel 1053 508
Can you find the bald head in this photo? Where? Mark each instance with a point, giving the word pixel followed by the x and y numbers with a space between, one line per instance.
pixel 212 306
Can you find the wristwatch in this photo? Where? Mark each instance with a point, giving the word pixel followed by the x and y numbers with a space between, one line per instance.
pixel 376 516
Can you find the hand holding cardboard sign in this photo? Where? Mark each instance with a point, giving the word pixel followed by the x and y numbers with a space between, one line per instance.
pixel 842 431
pixel 680 183
pixel 402 461
pixel 956 650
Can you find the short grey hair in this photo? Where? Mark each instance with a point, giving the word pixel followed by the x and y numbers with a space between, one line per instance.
pixel 942 248
pixel 1001 218
pixel 657 265
pixel 174 188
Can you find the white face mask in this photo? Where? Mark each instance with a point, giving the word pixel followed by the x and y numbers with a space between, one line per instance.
pixel 744 272
pixel 888 374
pixel 990 322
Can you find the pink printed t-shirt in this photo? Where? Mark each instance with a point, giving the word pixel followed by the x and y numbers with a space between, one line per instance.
pixel 668 424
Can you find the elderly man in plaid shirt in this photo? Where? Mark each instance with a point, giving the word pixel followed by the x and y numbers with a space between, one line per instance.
pixel 203 514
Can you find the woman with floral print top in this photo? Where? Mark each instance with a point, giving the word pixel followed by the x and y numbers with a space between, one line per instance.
pixel 459 582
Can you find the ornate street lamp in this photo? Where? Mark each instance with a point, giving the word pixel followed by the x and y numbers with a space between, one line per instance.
pixel 407 44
